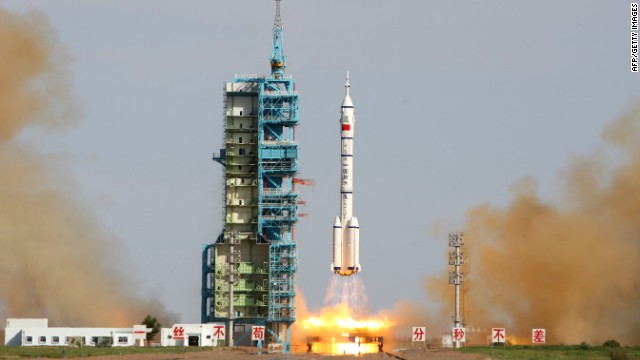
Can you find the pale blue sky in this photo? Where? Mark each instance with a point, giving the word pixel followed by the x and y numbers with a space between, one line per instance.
pixel 454 102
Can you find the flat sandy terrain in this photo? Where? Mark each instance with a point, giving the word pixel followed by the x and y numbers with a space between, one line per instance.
pixel 251 354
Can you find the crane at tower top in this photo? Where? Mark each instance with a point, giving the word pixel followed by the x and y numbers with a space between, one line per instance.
pixel 278 60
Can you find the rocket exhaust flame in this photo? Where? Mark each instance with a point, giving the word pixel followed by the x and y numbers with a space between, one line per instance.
pixel 341 334
pixel 337 330
pixel 54 262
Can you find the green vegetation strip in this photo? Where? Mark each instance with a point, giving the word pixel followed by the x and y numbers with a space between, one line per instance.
pixel 14 352
pixel 559 352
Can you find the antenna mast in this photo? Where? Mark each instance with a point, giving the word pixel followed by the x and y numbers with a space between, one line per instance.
pixel 278 60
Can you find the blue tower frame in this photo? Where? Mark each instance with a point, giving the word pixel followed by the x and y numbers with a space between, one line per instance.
pixel 266 290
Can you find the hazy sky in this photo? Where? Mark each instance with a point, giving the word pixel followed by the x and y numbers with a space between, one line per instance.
pixel 454 102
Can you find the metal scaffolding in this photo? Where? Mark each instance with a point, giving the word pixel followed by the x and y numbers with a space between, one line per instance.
pixel 260 206
pixel 265 289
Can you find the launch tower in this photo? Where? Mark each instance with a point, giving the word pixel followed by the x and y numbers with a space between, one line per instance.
pixel 248 274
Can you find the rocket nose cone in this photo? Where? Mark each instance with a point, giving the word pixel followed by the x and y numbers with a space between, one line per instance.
pixel 354 222
pixel 337 222
pixel 347 101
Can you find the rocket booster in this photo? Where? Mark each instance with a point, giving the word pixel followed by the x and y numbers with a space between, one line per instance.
pixel 346 230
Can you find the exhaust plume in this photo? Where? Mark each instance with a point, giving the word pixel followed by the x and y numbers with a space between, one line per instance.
pixel 349 291
pixel 345 312
pixel 569 265
pixel 55 262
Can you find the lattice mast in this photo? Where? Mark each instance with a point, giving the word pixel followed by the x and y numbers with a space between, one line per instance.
pixel 278 60
pixel 456 277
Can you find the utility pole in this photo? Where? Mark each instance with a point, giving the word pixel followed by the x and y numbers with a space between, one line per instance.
pixel 233 259
pixel 456 258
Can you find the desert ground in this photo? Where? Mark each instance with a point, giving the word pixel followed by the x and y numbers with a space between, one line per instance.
pixel 242 353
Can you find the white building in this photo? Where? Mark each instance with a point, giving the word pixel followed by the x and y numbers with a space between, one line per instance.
pixel 36 332
pixel 193 335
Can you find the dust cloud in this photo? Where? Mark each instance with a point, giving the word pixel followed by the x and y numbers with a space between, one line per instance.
pixel 569 265
pixel 55 261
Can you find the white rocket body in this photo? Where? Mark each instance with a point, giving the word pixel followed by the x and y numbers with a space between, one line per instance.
pixel 346 230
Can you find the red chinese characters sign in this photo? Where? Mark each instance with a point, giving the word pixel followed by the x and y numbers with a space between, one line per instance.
pixel 218 332
pixel 498 335
pixel 459 334
pixel 257 333
pixel 178 333
pixel 419 334
pixel 538 336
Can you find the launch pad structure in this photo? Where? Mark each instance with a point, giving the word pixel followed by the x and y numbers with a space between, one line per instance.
pixel 248 273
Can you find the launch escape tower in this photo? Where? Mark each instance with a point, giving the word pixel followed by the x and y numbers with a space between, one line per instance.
pixel 254 259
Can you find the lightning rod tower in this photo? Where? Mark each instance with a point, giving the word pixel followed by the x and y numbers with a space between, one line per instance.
pixel 456 277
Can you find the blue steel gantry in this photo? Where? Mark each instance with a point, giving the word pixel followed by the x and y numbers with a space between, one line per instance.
pixel 254 259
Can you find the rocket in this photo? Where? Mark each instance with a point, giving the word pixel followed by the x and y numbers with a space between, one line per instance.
pixel 346 231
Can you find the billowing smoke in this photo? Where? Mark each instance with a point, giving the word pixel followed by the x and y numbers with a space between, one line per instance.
pixel 570 265
pixel 55 262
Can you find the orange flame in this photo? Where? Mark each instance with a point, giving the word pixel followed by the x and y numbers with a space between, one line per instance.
pixel 337 331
